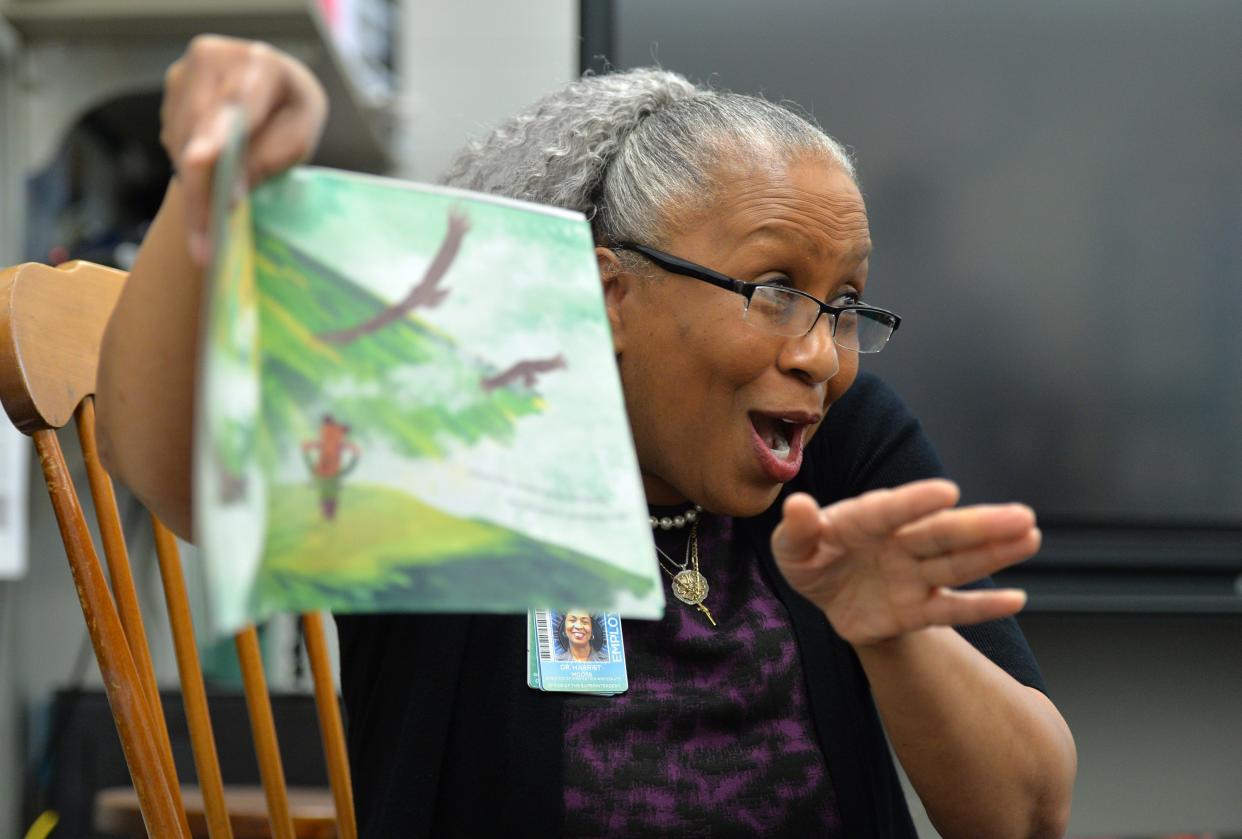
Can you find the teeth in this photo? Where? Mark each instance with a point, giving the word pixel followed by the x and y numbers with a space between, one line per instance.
pixel 783 431
pixel 781 449
pixel 777 434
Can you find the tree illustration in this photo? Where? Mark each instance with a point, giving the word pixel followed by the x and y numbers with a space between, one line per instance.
pixel 328 343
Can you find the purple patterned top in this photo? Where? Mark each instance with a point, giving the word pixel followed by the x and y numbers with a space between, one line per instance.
pixel 714 735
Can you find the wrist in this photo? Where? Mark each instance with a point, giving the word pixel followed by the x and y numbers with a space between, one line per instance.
pixel 900 645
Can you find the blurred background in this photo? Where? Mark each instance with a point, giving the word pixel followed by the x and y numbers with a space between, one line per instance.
pixel 1055 193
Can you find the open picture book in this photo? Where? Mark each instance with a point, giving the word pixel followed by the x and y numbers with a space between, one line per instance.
pixel 408 401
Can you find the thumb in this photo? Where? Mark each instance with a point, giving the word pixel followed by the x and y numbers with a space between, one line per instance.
pixel 795 538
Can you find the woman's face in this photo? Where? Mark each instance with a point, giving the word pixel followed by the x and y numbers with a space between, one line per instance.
pixel 705 390
pixel 578 627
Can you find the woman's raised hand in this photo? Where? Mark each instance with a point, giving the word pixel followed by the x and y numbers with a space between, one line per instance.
pixel 284 104
pixel 883 564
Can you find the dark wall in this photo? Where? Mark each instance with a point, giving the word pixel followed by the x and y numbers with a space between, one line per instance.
pixel 1055 193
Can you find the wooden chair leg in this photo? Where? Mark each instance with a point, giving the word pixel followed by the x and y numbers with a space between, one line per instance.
pixel 263 727
pixel 330 728
pixel 123 590
pixel 193 691
pixel 130 706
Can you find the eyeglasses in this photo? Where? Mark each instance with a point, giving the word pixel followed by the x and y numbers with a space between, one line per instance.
pixel 787 311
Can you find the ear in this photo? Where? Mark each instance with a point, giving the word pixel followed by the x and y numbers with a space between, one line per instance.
pixel 617 284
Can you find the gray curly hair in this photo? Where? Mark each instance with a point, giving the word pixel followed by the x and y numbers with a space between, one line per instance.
pixel 629 148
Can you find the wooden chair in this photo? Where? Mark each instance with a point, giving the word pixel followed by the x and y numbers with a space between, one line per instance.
pixel 51 324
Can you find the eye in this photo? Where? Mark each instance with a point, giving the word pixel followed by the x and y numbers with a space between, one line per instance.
pixel 848 297
pixel 778 280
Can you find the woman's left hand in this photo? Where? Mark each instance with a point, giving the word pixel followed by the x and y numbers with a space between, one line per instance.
pixel 883 564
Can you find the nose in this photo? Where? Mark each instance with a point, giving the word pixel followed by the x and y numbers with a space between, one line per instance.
pixel 813 356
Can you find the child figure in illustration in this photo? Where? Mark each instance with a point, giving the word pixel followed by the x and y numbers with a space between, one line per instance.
pixel 329 468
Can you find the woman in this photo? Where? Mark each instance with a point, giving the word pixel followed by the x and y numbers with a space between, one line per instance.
pixel 830 543
pixel 580 637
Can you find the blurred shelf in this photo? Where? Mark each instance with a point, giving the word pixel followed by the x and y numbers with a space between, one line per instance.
pixel 147 19
pixel 1101 591
pixel 80 52
pixel 1133 568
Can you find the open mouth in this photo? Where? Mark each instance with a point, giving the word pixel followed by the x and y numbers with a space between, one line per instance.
pixel 781 436
pixel 777 439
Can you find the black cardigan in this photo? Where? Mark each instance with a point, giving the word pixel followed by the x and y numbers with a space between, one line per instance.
pixel 446 739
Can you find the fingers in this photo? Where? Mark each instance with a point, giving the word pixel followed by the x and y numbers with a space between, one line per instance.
pixel 288 138
pixel 961 546
pixel 283 105
pixel 797 536
pixel 969 565
pixel 877 514
pixel 252 89
pixel 947 531
pixel 961 608
pixel 194 169
pixel 892 558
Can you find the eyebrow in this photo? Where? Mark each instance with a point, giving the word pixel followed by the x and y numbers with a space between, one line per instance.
pixel 787 233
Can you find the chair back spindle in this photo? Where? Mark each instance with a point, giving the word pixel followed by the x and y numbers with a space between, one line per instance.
pixel 330 729
pixel 193 690
pixel 131 709
pixel 51 325
pixel 108 517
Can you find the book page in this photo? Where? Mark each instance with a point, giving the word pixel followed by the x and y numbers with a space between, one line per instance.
pixel 436 422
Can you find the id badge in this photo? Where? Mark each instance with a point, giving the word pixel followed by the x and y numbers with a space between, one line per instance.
pixel 576 651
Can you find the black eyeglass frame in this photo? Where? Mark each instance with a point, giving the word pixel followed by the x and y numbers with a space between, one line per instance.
pixel 677 265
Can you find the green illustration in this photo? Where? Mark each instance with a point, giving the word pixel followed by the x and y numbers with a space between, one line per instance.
pixel 409 403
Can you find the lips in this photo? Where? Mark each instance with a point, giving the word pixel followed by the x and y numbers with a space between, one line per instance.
pixel 777 437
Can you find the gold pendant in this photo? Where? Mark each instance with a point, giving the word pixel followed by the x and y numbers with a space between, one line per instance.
pixel 690 587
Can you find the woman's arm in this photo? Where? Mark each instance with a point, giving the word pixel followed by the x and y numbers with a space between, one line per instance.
pixel 987 755
pixel 145 386
pixel 144 392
